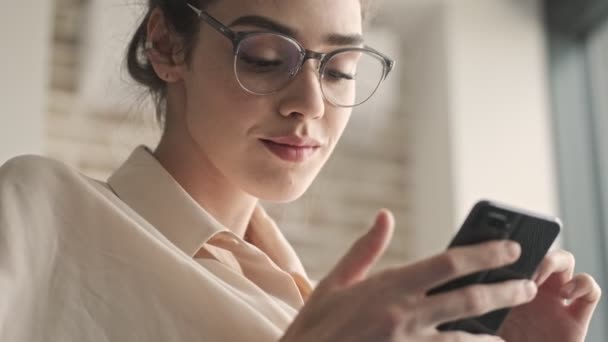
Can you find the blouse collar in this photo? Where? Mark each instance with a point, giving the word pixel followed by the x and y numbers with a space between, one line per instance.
pixel 144 184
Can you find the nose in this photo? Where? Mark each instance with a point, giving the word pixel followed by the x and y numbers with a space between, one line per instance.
pixel 303 95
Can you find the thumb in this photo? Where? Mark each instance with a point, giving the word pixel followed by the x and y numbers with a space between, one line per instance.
pixel 354 266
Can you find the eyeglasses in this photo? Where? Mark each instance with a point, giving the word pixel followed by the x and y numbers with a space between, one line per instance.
pixel 266 62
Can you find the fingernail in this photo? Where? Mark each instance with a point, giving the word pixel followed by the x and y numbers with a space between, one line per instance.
pixel 567 291
pixel 513 249
pixel 535 277
pixel 530 288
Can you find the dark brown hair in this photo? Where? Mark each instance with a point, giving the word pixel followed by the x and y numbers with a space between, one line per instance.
pixel 181 21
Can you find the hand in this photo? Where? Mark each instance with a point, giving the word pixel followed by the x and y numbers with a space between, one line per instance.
pixel 392 305
pixel 562 308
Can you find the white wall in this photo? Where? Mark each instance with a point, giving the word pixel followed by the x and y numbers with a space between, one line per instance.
pixel 475 94
pixel 427 132
pixel 24 33
pixel 500 123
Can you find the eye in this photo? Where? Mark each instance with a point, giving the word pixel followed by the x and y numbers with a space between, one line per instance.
pixel 339 76
pixel 260 62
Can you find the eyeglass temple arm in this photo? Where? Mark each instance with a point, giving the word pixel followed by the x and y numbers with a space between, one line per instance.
pixel 213 22
pixel 231 35
pixel 390 63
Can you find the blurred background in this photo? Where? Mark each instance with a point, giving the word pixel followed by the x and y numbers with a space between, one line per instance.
pixel 497 99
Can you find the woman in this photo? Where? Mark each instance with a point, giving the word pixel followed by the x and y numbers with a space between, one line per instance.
pixel 175 247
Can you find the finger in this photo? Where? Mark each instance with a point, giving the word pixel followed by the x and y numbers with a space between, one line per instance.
pixel 474 301
pixel 584 287
pixel 459 336
pixel 364 253
pixel 560 263
pixel 584 297
pixel 457 262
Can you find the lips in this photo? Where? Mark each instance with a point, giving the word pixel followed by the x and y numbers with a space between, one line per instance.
pixel 292 148
pixel 296 141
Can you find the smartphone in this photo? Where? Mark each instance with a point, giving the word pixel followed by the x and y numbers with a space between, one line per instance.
pixel 493 221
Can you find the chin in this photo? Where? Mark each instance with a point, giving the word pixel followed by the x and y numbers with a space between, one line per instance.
pixel 281 197
pixel 280 193
pixel 278 185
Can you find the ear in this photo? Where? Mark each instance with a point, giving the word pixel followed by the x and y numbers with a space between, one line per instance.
pixel 164 48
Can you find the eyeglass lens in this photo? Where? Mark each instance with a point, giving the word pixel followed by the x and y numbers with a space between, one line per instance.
pixel 265 63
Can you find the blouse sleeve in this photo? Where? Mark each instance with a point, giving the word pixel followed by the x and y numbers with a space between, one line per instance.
pixel 26 245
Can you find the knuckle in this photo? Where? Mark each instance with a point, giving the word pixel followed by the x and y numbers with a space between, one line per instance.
pixel 597 290
pixel 475 300
pixel 412 322
pixel 393 316
pixel 495 254
pixel 594 282
pixel 569 257
pixel 594 285
pixel 552 260
pixel 391 319
pixel 507 257
pixel 450 263
pixel 562 255
pixel 409 303
pixel 586 277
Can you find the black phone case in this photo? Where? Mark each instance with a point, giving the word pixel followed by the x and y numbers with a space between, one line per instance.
pixel 492 221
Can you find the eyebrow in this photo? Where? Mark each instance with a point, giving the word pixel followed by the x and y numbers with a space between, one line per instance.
pixel 269 24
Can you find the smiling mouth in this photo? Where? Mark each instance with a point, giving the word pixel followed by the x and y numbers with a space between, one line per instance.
pixel 290 153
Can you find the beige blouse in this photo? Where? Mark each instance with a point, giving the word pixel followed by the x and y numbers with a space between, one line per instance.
pixel 134 259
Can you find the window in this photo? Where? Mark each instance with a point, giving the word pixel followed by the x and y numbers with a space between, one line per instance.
pixel 579 80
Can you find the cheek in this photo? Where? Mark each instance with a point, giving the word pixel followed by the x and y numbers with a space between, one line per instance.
pixel 218 109
pixel 337 122
pixel 223 121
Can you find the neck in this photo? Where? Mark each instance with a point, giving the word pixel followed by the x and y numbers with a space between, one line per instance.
pixel 228 204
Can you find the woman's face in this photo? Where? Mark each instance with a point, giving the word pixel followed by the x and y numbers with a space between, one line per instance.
pixel 230 127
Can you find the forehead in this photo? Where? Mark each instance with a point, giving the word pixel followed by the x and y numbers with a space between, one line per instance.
pixel 311 20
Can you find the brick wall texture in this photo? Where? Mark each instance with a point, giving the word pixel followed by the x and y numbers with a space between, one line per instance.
pixel 368 170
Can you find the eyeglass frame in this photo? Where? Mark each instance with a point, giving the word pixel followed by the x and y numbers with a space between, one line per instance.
pixel 237 37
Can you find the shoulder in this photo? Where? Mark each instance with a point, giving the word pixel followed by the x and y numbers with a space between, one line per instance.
pixel 40 197
pixel 35 198
pixel 35 188
pixel 34 172
pixel 29 168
